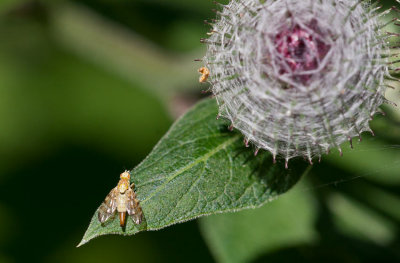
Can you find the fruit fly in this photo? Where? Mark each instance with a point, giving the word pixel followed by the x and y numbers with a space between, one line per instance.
pixel 121 199
pixel 205 73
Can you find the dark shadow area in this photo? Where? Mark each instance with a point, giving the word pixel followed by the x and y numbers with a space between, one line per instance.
pixel 70 124
pixel 338 249
pixel 333 245
pixel 54 199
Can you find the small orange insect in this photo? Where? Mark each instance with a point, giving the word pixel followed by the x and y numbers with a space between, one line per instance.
pixel 205 73
pixel 122 198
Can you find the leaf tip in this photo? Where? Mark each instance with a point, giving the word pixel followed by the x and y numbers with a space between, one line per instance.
pixel 83 241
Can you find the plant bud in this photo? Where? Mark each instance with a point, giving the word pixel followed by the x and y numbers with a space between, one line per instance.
pixel 299 78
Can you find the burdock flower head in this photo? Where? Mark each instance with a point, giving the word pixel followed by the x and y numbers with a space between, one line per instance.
pixel 298 78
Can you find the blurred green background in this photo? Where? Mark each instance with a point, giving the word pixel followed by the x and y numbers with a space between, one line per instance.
pixel 86 90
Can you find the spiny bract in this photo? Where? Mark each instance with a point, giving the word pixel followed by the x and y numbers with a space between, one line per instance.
pixel 298 78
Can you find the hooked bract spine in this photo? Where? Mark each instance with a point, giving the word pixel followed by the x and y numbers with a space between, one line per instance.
pixel 299 78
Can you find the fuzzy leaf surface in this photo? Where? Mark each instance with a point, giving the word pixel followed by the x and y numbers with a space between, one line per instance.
pixel 200 168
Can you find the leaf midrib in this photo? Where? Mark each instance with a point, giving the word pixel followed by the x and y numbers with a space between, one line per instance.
pixel 192 164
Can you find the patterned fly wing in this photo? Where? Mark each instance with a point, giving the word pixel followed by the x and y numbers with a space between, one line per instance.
pixel 109 206
pixel 133 207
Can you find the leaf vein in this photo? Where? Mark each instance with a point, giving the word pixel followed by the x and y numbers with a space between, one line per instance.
pixel 185 193
pixel 179 145
pixel 191 165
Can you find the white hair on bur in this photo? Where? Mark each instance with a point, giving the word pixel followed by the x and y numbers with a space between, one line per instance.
pixel 298 78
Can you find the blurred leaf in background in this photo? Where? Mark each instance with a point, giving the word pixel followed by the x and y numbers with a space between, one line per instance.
pixel 67 119
pixel 88 87
pixel 244 236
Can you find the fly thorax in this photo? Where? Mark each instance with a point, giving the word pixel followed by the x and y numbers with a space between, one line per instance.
pixel 123 185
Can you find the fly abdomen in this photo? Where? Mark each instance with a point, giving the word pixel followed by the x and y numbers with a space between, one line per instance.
pixel 121 202
pixel 122 219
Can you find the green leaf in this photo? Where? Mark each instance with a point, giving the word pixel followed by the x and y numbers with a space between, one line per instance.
pixel 6 5
pixel 247 235
pixel 200 168
pixel 372 159
pixel 135 59
pixel 355 219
